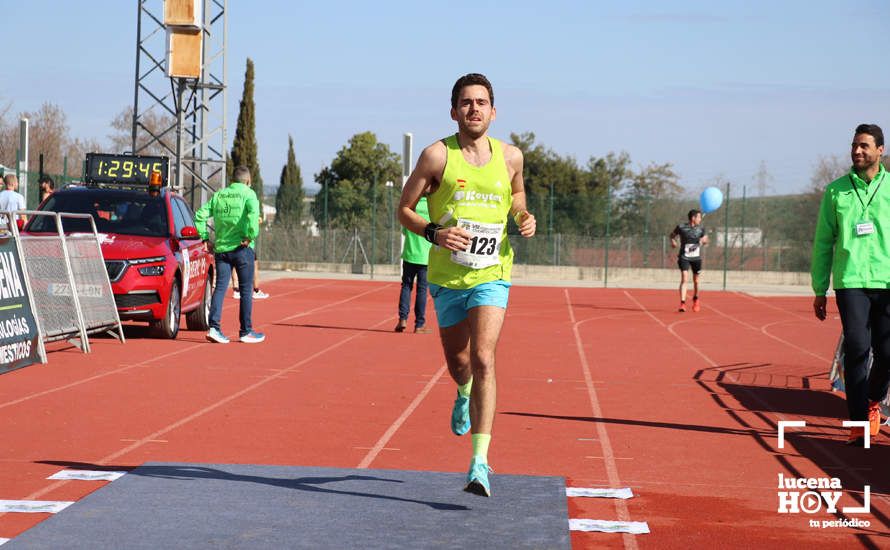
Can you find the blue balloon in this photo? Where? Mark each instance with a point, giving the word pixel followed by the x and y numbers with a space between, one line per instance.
pixel 710 200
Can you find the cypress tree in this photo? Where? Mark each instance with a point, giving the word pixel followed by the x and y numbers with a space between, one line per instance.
pixel 244 148
pixel 289 198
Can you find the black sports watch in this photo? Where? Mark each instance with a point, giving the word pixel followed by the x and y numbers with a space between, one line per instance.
pixel 429 232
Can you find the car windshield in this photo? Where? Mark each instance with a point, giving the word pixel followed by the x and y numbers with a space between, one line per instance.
pixel 114 212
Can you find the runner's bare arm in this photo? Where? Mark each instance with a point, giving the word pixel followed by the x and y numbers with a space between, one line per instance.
pixel 425 180
pixel 523 218
pixel 673 236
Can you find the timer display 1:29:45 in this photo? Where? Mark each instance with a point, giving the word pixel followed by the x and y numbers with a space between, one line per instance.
pixel 127 169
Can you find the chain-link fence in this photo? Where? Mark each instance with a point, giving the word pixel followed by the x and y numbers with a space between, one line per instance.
pixel 31 188
pixel 745 234
pixel 365 247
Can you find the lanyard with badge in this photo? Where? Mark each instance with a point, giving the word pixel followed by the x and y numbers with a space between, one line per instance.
pixel 865 226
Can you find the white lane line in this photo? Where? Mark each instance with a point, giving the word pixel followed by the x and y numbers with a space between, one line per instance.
pixel 384 439
pixel 602 435
pixel 220 403
pixel 34 506
pixel 632 527
pixel 763 330
pixel 87 475
pixel 817 444
pixel 599 492
pixel 155 358
pixel 3 541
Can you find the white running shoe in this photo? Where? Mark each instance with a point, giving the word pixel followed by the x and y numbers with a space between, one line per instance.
pixel 253 337
pixel 259 294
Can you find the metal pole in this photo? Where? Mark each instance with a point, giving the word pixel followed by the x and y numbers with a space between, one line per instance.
pixel 23 145
pixel 180 123
pixel 726 236
pixel 765 252
pixel 373 224
pixel 324 251
pixel 550 224
pixel 550 221
pixel 646 232
pixel 407 160
pixel 136 84
pixel 744 229
pixel 391 215
pixel 608 219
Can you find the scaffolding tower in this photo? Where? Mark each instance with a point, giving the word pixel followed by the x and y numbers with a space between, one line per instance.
pixel 187 115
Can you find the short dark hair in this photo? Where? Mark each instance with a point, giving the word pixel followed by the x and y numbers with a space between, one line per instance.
pixel 873 130
pixel 471 79
pixel 241 173
pixel 47 179
pixel 693 213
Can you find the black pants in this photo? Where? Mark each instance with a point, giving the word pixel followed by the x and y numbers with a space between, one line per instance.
pixel 865 316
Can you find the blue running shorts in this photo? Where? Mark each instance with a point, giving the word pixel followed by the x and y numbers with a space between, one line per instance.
pixel 452 305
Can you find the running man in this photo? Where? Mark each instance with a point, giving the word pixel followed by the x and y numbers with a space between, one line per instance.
pixel 473 183
pixel 852 250
pixel 692 238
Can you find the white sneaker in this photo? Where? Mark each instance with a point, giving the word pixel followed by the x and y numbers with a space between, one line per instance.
pixel 259 294
pixel 236 295
pixel 253 337
pixel 214 335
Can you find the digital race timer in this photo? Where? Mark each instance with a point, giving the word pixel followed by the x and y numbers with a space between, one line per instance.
pixel 124 169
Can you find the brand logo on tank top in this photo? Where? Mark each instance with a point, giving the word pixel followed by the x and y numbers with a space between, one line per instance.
pixel 475 196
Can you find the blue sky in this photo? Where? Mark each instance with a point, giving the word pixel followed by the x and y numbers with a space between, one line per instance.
pixel 715 88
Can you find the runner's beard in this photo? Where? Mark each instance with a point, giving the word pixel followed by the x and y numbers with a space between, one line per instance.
pixel 474 133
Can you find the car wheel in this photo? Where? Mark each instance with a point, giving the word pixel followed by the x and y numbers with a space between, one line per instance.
pixel 168 327
pixel 199 319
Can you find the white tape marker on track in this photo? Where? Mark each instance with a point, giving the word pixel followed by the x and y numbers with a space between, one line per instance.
pixel 87 475
pixel 632 527
pixel 3 541
pixel 34 506
pixel 599 492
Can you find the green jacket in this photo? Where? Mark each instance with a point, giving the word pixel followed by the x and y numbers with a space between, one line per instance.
pixel 236 216
pixel 851 260
pixel 417 248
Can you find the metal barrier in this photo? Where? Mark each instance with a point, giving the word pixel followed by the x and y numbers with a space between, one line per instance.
pixel 72 291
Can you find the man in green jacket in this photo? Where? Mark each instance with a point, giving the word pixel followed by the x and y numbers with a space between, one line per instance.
pixel 235 212
pixel 852 247
pixel 415 257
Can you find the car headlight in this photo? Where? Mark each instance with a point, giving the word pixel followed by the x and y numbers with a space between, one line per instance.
pixel 151 270
pixel 147 260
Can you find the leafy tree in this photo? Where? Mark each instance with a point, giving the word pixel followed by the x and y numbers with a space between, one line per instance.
pixel 578 194
pixel 647 201
pixel 162 126
pixel 599 198
pixel 289 198
pixel 354 182
pixel 244 148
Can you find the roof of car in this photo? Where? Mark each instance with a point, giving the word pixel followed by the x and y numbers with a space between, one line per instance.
pixel 87 188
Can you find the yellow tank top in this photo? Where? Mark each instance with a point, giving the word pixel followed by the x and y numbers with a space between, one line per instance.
pixel 478 198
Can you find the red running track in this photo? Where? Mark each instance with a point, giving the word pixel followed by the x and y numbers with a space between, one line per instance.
pixel 606 387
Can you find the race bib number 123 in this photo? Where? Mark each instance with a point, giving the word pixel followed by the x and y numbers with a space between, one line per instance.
pixel 485 244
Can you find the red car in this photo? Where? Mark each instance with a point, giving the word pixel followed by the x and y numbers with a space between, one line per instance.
pixel 158 266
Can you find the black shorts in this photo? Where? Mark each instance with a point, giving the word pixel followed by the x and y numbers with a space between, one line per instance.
pixel 686 265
